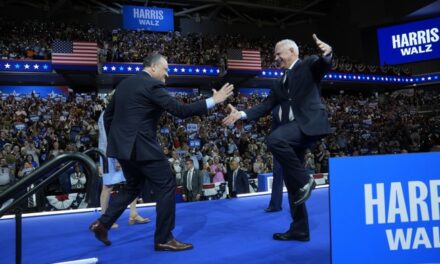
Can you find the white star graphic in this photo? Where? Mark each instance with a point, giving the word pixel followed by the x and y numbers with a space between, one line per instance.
pixel 7 66
pixel 36 66
pixel 175 69
pixel 129 68
pixel 137 68
pixel 104 68
pixel 113 68
pixel 204 70
pixel 26 66
pixel 182 70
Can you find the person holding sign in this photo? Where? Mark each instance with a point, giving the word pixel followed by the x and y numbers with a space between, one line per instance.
pixel 303 121
pixel 132 117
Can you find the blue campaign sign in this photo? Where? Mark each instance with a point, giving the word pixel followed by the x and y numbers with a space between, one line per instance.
pixel 190 127
pixel 148 18
pixel 22 91
pixel 409 42
pixel 194 143
pixel 385 209
pixel 255 91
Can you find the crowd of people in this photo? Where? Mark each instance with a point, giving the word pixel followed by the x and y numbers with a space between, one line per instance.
pixel 33 39
pixel 34 130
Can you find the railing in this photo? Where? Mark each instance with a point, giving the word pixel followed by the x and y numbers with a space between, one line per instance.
pixel 40 178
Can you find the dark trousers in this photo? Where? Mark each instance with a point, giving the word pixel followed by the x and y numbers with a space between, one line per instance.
pixel 147 194
pixel 287 143
pixel 190 196
pixel 160 178
pixel 300 217
pixel 276 197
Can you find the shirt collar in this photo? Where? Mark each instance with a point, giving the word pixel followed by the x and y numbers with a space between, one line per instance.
pixel 293 64
pixel 149 74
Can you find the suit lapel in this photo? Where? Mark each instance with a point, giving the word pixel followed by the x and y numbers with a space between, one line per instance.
pixel 194 175
pixel 280 87
pixel 293 76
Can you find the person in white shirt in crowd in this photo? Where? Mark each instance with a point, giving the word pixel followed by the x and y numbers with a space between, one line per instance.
pixel 6 178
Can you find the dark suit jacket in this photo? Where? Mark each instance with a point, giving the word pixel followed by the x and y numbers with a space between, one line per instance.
pixel 196 183
pixel 241 181
pixel 304 96
pixel 133 114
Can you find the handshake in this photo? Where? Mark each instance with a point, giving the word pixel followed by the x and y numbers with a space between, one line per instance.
pixel 220 96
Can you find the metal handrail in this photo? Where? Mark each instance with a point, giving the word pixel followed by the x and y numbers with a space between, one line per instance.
pixel 40 173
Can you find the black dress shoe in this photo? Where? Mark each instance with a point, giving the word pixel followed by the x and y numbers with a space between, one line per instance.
pixel 100 232
pixel 304 193
pixel 173 245
pixel 298 236
pixel 271 210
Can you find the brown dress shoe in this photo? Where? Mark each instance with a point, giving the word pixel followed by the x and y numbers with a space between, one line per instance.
pixel 100 232
pixel 173 245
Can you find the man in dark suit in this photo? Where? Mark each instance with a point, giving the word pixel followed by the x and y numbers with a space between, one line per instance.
pixel 132 117
pixel 304 120
pixel 192 182
pixel 238 181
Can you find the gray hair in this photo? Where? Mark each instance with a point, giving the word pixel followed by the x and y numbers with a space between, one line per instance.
pixel 290 44
pixel 152 59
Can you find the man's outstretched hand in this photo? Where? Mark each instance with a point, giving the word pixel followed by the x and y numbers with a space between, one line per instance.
pixel 323 47
pixel 224 93
pixel 232 117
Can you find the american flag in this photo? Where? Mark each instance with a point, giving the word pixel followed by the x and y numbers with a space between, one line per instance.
pixel 74 53
pixel 244 59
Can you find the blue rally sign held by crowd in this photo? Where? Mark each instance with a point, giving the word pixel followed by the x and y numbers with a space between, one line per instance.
pixel 148 18
pixel 409 42
pixel 385 209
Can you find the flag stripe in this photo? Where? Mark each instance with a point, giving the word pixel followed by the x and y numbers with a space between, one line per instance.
pixel 78 60
pixel 69 62
pixel 74 59
pixel 244 59
pixel 249 64
pixel 75 53
pixel 244 68
pixel 241 61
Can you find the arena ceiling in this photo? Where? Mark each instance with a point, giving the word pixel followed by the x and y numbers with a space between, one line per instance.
pixel 256 12
pixel 278 13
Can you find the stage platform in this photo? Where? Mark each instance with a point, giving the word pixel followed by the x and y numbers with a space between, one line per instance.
pixel 222 231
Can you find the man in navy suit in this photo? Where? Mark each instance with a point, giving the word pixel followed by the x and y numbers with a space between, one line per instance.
pixel 304 120
pixel 132 117
pixel 238 181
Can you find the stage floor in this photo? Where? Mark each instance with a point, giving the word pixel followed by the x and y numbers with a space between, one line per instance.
pixel 222 231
